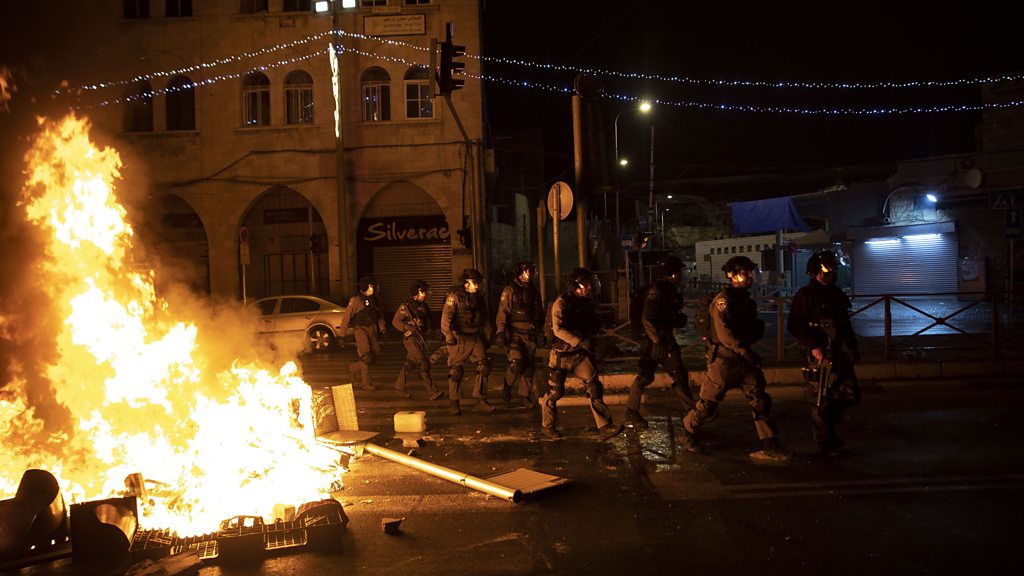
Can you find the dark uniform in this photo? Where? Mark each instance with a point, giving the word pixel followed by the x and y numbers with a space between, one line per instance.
pixel 574 325
pixel 364 319
pixel 733 363
pixel 467 332
pixel 520 315
pixel 661 315
pixel 412 320
pixel 819 319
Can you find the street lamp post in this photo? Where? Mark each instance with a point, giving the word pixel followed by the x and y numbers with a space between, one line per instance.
pixel 650 193
pixel 644 108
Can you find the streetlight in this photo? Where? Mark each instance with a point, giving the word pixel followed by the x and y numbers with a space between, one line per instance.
pixel 644 108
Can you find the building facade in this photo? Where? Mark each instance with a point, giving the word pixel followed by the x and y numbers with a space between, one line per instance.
pixel 256 182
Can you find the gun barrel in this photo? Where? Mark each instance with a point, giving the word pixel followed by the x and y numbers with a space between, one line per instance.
pixel 824 376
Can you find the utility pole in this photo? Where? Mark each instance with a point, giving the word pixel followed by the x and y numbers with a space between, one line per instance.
pixel 339 159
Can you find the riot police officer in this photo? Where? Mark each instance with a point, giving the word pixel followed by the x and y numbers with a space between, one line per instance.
pixel 520 315
pixel 574 326
pixel 364 320
pixel 412 320
pixel 661 315
pixel 819 319
pixel 733 363
pixel 466 328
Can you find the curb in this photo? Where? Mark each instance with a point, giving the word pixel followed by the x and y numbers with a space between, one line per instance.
pixel 778 376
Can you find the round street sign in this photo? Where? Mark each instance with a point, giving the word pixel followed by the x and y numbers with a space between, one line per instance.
pixel 560 200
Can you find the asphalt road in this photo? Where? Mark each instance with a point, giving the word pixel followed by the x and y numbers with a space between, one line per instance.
pixel 932 482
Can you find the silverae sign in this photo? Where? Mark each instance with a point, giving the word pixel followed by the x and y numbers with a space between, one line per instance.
pixel 404 230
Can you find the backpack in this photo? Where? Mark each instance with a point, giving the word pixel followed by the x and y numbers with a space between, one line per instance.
pixel 702 319
pixel 636 307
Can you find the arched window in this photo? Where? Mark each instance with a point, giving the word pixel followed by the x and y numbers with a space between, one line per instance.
pixel 256 100
pixel 253 6
pixel 418 103
pixel 298 97
pixel 134 9
pixel 181 104
pixel 138 108
pixel 178 8
pixel 376 93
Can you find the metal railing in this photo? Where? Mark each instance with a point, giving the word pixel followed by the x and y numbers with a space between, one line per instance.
pixel 925 326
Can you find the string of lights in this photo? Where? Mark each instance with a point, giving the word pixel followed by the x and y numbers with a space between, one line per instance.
pixel 203 65
pixel 691 104
pixel 238 58
pixel 205 82
pixel 696 104
pixel 751 83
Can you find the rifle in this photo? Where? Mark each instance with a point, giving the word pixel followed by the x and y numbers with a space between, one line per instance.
pixel 824 377
pixel 825 368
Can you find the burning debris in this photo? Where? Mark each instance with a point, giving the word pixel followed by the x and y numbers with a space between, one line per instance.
pixel 107 380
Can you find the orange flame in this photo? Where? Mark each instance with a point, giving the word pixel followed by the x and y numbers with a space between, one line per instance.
pixel 138 392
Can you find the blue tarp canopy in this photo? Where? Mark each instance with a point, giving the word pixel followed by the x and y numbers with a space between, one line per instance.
pixel 767 216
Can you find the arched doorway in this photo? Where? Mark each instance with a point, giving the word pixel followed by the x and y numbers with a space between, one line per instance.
pixel 287 243
pixel 178 250
pixel 404 236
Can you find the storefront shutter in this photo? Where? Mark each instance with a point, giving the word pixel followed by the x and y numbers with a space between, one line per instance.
pixel 915 264
pixel 396 267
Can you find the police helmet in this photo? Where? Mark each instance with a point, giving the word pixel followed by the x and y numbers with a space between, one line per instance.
pixel 418 286
pixel 366 281
pixel 523 266
pixel 580 277
pixel 472 274
pixel 824 261
pixel 737 263
pixel 668 266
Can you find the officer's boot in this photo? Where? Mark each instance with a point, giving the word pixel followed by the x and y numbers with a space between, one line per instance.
pixel 454 392
pixel 635 420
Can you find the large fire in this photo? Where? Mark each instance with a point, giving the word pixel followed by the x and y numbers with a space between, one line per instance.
pixel 127 387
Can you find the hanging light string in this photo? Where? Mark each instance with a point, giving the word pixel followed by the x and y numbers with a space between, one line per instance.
pixel 751 83
pixel 204 65
pixel 211 80
pixel 815 111
pixel 242 57
pixel 691 104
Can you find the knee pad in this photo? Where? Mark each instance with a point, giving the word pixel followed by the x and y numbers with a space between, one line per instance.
pixel 644 379
pixel 762 404
pixel 516 366
pixel 483 368
pixel 369 358
pixel 456 372
pixel 595 389
pixel 556 378
pixel 647 365
pixel 409 366
pixel 706 410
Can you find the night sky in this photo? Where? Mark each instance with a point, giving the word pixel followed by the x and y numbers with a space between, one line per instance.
pixel 828 42
pixel 825 42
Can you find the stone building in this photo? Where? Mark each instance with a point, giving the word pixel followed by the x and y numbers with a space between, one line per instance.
pixel 225 112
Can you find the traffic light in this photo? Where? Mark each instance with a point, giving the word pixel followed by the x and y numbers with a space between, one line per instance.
pixel 447 83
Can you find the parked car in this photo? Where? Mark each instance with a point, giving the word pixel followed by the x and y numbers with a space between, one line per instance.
pixel 315 320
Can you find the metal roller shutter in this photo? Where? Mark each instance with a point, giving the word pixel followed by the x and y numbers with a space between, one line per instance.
pixel 924 263
pixel 396 267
